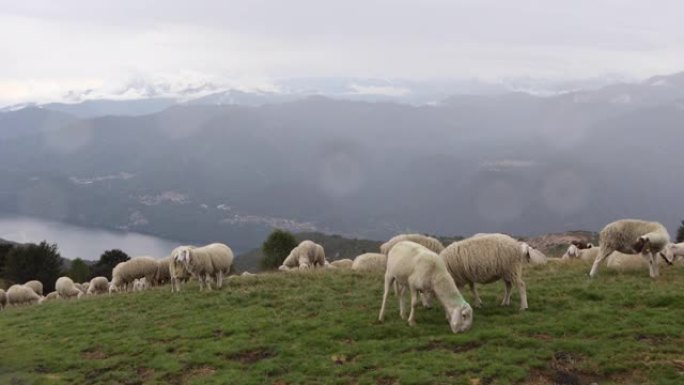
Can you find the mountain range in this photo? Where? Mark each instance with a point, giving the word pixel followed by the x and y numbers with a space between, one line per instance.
pixel 232 166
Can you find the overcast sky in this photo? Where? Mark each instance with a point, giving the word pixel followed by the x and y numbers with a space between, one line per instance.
pixel 50 47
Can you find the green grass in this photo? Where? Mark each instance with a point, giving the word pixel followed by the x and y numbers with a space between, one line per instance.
pixel 321 328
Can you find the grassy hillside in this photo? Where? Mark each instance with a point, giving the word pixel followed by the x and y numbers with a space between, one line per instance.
pixel 321 328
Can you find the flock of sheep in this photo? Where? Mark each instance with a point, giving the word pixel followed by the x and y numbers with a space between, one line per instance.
pixel 413 262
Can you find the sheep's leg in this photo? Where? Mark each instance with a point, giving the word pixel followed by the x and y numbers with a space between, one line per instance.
pixel 173 284
pixel 476 295
pixel 402 308
pixel 414 302
pixel 207 282
pixel 522 289
pixel 603 253
pixel 508 289
pixel 388 283
pixel 652 264
pixel 219 280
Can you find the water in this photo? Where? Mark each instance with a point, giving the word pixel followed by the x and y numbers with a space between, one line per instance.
pixel 81 242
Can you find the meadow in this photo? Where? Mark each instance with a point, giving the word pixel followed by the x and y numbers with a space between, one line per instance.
pixel 321 328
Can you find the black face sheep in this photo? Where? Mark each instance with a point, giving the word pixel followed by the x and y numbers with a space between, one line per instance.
pixel 98 285
pixel 36 286
pixel 208 262
pixel 488 258
pixel 66 288
pixel 632 236
pixel 305 255
pixel 429 242
pixel 21 295
pixel 419 269
pixel 370 262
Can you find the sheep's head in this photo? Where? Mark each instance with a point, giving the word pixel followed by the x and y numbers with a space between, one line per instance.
pixel 641 244
pixel 461 318
pixel 526 251
pixel 426 298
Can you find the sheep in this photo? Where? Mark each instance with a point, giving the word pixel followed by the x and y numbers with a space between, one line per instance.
pixel 98 285
pixel 163 271
pixel 86 286
pixel 177 271
pixel 140 284
pixel 3 299
pixel 66 288
pixel 632 236
pixel 53 295
pixel 206 262
pixel 429 242
pixel 370 262
pixel 412 265
pixel 673 252
pixel 36 286
pixel 342 263
pixel 628 262
pixel 488 258
pixel 305 255
pixel 587 254
pixel 20 295
pixel 124 273
pixel 536 256
pixel 79 287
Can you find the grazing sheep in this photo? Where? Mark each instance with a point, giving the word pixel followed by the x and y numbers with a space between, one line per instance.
pixel 53 295
pixel 429 242
pixel 3 299
pixel 79 287
pixel 632 236
pixel 66 288
pixel 305 255
pixel 86 286
pixel 488 258
pixel 124 273
pixel 342 263
pixel 22 295
pixel 587 254
pixel 177 271
pixel 36 286
pixel 370 262
pixel 163 271
pixel 207 262
pixel 98 285
pixel 673 252
pixel 536 256
pixel 412 265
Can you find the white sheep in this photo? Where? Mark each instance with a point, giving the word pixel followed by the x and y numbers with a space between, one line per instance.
pixel 488 258
pixel 163 271
pixel 53 295
pixel 342 263
pixel 207 262
pixel 3 299
pixel 36 286
pixel 413 266
pixel 628 262
pixel 98 285
pixel 22 295
pixel 536 256
pixel 79 287
pixel 66 288
pixel 305 255
pixel 424 240
pixel 177 271
pixel 574 252
pixel 124 273
pixel 673 252
pixel 370 262
pixel 632 236
pixel 140 284
pixel 86 286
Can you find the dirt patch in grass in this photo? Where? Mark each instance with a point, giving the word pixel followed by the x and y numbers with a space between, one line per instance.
pixel 145 373
pixel 563 370
pixel 95 354
pixel 456 348
pixel 251 356
pixel 387 381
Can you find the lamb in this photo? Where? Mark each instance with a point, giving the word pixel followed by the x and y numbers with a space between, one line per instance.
pixel 98 285
pixel 429 242
pixel 370 262
pixel 124 273
pixel 206 262
pixel 305 255
pixel 587 254
pixel 66 288
pixel 3 299
pixel 632 236
pixel 536 256
pixel 36 286
pixel 628 262
pixel 342 263
pixel 20 295
pixel 412 265
pixel 488 258
pixel 177 271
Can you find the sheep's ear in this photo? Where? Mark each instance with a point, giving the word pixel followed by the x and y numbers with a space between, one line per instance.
pixel 640 244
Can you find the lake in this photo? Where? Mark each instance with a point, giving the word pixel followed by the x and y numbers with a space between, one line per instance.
pixel 81 242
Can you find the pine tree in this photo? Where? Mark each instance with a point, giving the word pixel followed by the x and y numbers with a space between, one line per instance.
pixel 276 248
